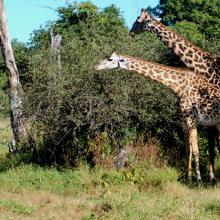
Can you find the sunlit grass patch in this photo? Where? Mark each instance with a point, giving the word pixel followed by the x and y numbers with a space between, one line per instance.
pixel 16 207
pixel 29 177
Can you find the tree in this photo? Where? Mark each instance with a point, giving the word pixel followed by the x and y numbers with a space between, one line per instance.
pixel 78 105
pixel 205 14
pixel 15 89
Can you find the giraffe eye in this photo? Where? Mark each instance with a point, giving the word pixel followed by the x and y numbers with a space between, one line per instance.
pixel 109 59
pixel 121 60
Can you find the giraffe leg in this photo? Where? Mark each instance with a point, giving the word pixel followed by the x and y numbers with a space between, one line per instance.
pixel 191 135
pixel 189 153
pixel 189 163
pixel 195 150
pixel 218 137
pixel 211 146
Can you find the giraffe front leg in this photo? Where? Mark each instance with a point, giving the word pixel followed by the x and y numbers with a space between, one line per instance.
pixel 195 151
pixel 189 164
pixel 191 135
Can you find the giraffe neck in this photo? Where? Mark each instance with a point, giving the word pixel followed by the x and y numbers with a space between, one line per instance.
pixel 200 61
pixel 175 79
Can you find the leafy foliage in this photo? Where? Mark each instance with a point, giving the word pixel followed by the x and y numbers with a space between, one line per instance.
pixel 205 14
pixel 68 109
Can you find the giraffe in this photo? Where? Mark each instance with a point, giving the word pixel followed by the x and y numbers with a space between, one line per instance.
pixel 202 62
pixel 199 100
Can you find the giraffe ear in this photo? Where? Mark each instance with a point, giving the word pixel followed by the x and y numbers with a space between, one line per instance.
pixel 142 10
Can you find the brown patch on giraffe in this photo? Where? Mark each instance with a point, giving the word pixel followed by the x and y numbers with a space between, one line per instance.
pixel 160 29
pixel 182 47
pixel 202 67
pixel 210 70
pixel 199 53
pixel 180 52
pixel 173 45
pixel 189 61
pixel 166 75
pixel 189 53
pixel 159 77
pixel 157 70
pixel 151 72
pixel 165 38
pixel 209 64
pixel 196 58
pixel 173 77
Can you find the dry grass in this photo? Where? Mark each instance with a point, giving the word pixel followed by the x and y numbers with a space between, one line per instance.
pixel 140 191
pixel 125 202
pixel 36 193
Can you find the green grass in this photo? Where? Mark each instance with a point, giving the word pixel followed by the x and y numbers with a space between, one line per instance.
pixel 139 192
pixel 16 207
pixel 5 134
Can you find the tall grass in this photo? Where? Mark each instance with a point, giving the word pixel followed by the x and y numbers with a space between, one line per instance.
pixel 138 192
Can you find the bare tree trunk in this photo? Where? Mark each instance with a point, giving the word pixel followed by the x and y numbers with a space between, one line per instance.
pixel 15 89
pixel 55 48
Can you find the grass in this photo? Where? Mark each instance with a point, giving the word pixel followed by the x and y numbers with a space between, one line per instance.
pixel 16 207
pixel 5 134
pixel 140 192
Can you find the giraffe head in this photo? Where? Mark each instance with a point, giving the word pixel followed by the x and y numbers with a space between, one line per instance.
pixel 112 62
pixel 141 23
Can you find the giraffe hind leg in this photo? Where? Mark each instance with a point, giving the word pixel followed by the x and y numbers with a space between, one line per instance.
pixel 189 153
pixel 212 134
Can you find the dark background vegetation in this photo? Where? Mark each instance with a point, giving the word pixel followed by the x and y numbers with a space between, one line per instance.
pixel 80 114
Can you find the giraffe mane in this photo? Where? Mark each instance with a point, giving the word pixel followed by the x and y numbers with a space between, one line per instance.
pixel 158 64
pixel 169 29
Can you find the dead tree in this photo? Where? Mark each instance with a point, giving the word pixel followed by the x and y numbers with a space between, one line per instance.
pixel 55 48
pixel 15 89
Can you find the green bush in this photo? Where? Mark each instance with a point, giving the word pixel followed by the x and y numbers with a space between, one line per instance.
pixel 70 108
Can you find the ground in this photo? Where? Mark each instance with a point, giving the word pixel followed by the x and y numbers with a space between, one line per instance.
pixel 29 192
pixel 141 191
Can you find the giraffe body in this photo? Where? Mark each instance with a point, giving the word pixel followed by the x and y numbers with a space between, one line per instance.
pixel 202 62
pixel 199 100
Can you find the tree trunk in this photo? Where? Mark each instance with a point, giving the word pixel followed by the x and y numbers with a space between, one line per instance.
pixel 55 48
pixel 15 89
